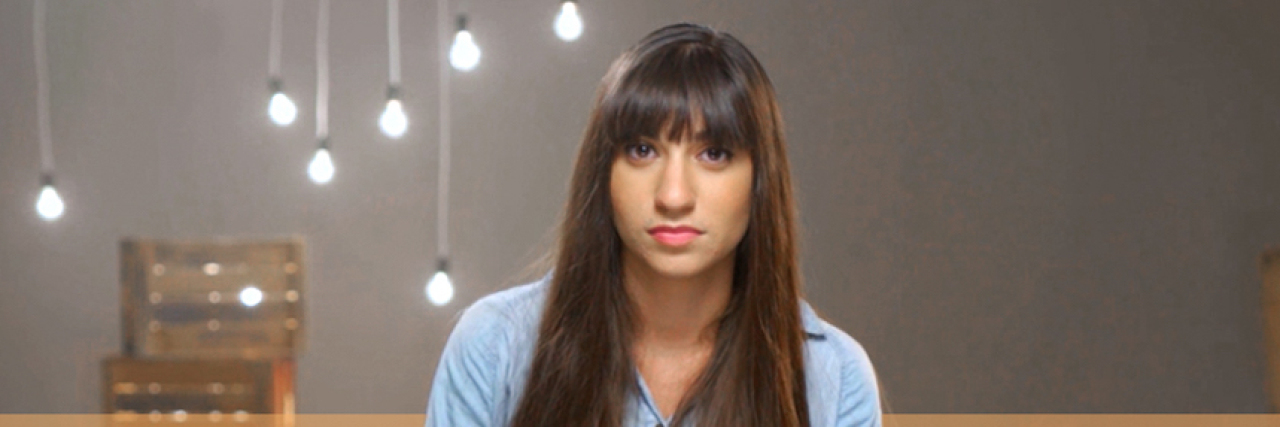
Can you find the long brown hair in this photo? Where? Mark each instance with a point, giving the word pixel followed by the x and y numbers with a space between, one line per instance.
pixel 582 369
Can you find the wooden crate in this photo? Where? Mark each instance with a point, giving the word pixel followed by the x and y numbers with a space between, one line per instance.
pixel 229 387
pixel 1270 266
pixel 182 299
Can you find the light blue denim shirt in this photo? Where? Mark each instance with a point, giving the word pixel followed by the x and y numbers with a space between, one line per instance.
pixel 486 362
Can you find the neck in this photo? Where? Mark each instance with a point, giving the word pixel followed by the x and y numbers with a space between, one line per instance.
pixel 677 312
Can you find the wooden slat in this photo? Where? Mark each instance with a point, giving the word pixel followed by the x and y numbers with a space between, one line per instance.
pixel 197 386
pixel 180 299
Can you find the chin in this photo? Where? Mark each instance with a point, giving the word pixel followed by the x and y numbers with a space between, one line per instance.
pixel 678 267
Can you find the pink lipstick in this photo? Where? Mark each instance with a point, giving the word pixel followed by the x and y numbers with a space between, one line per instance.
pixel 674 235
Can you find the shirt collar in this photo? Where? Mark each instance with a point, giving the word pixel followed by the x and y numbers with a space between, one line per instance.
pixel 811 323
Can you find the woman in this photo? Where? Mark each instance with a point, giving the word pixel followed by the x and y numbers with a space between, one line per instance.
pixel 675 297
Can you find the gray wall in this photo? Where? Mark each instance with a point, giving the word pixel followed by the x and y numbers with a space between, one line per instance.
pixel 1016 206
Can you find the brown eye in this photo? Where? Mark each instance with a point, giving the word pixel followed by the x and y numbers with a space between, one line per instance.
pixel 717 155
pixel 639 151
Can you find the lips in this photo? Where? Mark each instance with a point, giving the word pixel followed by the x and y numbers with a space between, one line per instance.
pixel 674 235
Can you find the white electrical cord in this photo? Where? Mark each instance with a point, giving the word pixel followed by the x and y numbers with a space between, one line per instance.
pixel 393 41
pixel 322 71
pixel 42 90
pixel 273 50
pixel 442 215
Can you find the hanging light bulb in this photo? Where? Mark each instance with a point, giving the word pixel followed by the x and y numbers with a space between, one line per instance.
pixel 464 55
pixel 321 168
pixel 49 205
pixel 250 296
pixel 393 121
pixel 281 108
pixel 568 23
pixel 440 288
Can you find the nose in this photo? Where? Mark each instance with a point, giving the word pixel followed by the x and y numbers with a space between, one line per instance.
pixel 676 194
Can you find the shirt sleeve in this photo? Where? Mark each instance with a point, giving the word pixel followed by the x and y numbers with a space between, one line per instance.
pixel 469 377
pixel 859 404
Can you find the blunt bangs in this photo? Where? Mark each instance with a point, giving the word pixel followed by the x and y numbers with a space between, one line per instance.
pixel 669 88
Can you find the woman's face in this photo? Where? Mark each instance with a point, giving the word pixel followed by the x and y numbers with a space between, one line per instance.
pixel 680 206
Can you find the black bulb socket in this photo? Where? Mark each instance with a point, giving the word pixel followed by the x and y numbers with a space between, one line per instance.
pixel 275 85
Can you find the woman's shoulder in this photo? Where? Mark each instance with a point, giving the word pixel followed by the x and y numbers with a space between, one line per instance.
pixel 833 342
pixel 485 358
pixel 514 300
pixel 842 382
pixel 501 313
pixel 496 331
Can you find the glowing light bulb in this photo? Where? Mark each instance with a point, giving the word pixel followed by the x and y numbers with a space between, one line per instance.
pixel 568 23
pixel 250 296
pixel 440 288
pixel 393 121
pixel 281 109
pixel 464 55
pixel 321 168
pixel 49 205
